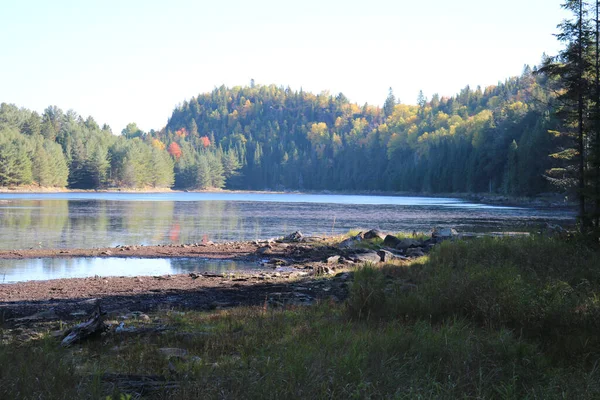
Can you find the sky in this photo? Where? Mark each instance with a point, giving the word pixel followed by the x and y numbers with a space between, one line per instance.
pixel 133 61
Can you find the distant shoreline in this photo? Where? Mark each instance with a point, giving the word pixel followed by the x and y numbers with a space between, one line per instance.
pixel 550 200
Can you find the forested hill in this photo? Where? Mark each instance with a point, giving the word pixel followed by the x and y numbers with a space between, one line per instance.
pixel 478 140
pixel 268 137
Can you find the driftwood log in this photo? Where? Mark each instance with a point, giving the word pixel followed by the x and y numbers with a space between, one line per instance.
pixel 93 326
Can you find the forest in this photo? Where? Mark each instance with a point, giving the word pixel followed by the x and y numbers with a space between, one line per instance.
pixel 263 137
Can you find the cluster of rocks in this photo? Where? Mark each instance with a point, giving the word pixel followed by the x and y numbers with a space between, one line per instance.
pixel 393 247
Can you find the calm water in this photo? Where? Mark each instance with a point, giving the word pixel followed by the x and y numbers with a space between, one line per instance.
pixel 12 271
pixel 86 220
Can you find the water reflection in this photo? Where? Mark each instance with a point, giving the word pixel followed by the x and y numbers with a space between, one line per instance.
pixel 86 220
pixel 12 271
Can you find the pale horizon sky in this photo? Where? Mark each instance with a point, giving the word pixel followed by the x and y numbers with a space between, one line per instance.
pixel 134 61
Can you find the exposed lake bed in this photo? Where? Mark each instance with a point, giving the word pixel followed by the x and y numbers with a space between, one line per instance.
pixel 73 247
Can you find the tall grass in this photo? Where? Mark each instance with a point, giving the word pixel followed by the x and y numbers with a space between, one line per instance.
pixel 542 288
pixel 487 319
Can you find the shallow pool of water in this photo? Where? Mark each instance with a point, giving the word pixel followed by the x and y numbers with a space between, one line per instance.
pixel 12 271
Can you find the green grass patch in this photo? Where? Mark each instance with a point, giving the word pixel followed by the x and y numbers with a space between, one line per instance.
pixel 488 318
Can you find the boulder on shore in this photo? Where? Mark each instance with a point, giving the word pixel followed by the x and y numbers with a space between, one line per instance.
pixel 387 256
pixel 415 252
pixel 374 234
pixel 369 256
pixel 391 241
pixel 443 233
pixel 407 243
pixel 351 242
pixel 294 237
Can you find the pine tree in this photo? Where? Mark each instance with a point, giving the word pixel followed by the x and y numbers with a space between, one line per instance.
pixel 571 68
pixel 390 103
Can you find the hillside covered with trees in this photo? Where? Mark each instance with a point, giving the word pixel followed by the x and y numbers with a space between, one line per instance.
pixel 267 137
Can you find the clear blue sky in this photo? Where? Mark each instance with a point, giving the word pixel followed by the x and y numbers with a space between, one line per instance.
pixel 133 61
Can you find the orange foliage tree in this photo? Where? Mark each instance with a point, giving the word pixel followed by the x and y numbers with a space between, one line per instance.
pixel 205 141
pixel 175 151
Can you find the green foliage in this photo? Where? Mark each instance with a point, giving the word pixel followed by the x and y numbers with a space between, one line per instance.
pixel 543 288
pixel 268 137
pixel 367 296
pixel 298 140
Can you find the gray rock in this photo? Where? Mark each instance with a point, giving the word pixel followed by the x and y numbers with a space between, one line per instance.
pixel 265 250
pixel 391 241
pixel 387 256
pixel 343 276
pixel 333 260
pixel 278 261
pixel 374 233
pixel 415 252
pixel 324 270
pixel 370 256
pixel 407 243
pixel 294 237
pixel 351 242
pixel 443 233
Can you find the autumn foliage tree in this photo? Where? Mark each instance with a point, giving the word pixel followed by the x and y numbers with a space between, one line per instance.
pixel 175 151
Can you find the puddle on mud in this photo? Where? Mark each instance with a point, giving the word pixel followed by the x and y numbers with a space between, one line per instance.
pixel 12 271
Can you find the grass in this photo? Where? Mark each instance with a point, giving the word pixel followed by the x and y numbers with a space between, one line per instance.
pixel 489 318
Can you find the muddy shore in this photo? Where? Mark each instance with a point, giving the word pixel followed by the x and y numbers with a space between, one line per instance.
pixel 286 279
pixel 205 250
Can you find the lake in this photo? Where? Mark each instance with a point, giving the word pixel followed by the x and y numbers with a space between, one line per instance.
pixel 89 220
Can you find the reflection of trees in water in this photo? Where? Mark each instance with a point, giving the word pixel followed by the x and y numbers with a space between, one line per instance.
pixel 207 220
pixel 57 264
pixel 103 223
pixel 32 223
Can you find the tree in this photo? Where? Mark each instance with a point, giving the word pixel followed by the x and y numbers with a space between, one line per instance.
pixel 132 131
pixel 175 151
pixel 571 70
pixel 390 103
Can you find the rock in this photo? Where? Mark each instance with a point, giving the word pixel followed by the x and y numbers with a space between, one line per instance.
pixel 407 243
pixel 415 252
pixel 374 234
pixel 294 237
pixel 343 276
pixel 106 253
pixel 387 256
pixel 323 270
pixel 443 233
pixel 391 241
pixel 351 242
pixel 333 260
pixel 367 257
pixel 194 275
pixel 265 250
pixel 278 261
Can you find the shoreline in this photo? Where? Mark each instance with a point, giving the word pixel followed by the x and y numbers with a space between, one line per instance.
pixel 65 298
pixel 548 200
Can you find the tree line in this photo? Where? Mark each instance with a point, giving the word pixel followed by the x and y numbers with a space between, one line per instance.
pixel 61 149
pixel 494 139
